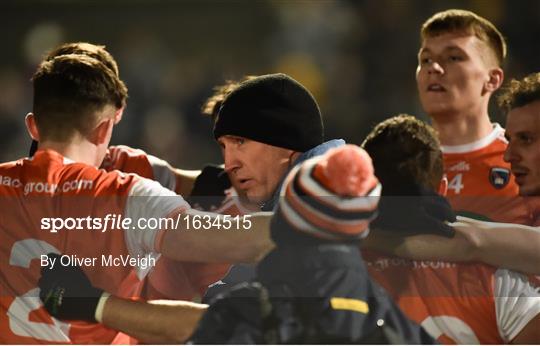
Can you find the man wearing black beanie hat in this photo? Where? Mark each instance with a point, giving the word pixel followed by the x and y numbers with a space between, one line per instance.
pixel 272 109
pixel 265 126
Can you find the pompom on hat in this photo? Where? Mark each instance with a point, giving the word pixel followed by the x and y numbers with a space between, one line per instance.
pixel 329 197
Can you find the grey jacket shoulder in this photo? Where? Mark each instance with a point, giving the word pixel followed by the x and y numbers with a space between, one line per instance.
pixel 316 151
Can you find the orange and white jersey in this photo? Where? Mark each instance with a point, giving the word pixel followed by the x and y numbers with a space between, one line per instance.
pixel 480 182
pixel 50 186
pixel 458 303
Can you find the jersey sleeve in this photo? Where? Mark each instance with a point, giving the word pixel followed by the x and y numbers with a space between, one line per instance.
pixel 129 160
pixel 147 203
pixel 517 301
pixel 162 172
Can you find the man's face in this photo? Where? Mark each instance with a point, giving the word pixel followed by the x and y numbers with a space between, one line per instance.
pixel 523 151
pixel 452 73
pixel 255 168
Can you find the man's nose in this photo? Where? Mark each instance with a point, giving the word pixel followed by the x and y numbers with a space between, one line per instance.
pixel 510 154
pixel 231 160
pixel 435 67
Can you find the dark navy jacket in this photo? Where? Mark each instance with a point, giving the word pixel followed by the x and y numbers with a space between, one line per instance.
pixel 308 291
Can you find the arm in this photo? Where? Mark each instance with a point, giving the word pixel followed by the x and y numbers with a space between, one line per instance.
pixel 191 235
pixel 238 244
pixel 508 246
pixel 421 246
pixel 170 322
pixel 68 294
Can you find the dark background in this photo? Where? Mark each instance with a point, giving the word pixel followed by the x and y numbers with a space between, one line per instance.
pixel 357 57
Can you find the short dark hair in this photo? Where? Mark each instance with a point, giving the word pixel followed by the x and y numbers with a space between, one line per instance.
pixel 95 51
pixel 405 150
pixel 69 90
pixel 520 93
pixel 455 20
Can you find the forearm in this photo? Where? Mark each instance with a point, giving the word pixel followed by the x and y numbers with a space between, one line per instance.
pixel 508 246
pixel 421 247
pixel 170 322
pixel 239 242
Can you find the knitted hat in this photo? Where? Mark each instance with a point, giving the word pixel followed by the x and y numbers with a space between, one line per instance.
pixel 272 109
pixel 331 197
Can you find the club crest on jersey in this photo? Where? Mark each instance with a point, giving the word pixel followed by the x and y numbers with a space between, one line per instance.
pixel 499 177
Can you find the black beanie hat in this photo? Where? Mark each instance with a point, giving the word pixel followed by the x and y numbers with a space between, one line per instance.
pixel 272 109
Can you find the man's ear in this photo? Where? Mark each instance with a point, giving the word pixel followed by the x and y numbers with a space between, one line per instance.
pixel 118 115
pixel 102 132
pixel 31 126
pixel 495 80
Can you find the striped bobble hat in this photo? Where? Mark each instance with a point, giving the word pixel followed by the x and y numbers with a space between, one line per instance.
pixel 330 197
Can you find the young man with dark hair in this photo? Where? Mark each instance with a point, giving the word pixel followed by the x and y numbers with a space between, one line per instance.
pixel 456 303
pixel 121 157
pixel 76 103
pixel 425 149
pixel 459 68
pixel 521 102
pixel 204 190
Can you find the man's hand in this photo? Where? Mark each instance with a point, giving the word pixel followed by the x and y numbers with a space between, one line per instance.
pixel 209 188
pixel 67 293
pixel 423 213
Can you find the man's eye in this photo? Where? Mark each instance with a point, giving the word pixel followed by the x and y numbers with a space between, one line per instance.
pixel 455 58
pixel 240 141
pixel 425 61
pixel 526 139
